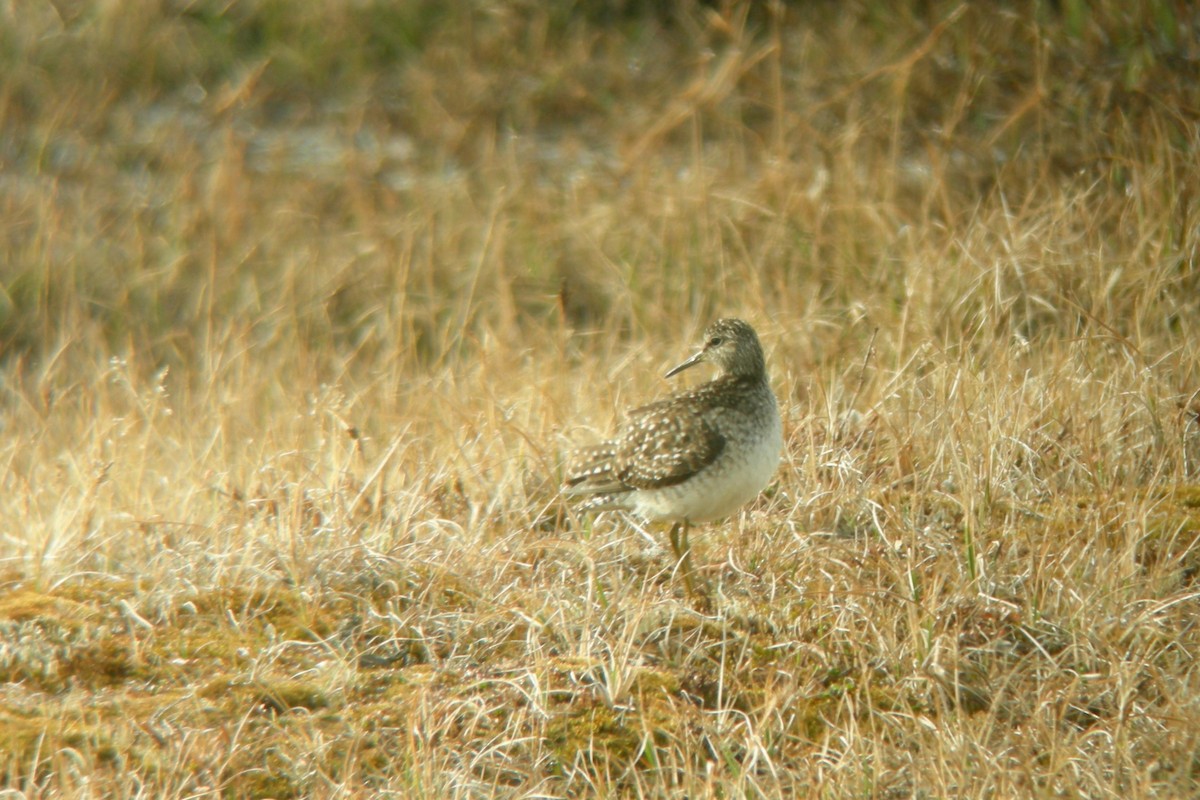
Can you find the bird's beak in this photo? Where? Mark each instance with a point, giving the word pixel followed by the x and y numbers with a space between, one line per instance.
pixel 691 362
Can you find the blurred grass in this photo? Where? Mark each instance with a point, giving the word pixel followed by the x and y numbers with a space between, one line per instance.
pixel 158 168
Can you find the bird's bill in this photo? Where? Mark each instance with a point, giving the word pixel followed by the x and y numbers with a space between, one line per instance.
pixel 691 362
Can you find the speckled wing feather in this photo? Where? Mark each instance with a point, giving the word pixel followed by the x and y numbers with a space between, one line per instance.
pixel 662 444
pixel 592 469
pixel 666 443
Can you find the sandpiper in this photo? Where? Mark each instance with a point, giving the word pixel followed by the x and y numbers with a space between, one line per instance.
pixel 699 454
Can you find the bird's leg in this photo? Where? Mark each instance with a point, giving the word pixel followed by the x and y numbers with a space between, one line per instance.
pixel 683 554
pixel 674 536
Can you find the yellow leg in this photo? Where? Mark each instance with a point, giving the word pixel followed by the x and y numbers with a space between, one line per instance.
pixel 683 554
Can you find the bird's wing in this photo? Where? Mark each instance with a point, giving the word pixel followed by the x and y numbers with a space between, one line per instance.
pixel 665 443
pixel 592 470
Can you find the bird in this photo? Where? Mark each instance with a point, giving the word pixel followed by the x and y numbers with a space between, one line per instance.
pixel 699 454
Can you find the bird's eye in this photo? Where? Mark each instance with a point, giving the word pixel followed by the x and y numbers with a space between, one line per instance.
pixel 715 341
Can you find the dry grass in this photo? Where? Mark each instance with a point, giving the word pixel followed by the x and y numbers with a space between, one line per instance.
pixel 301 308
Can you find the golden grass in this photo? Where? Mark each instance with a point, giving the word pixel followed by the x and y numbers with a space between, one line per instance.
pixel 300 310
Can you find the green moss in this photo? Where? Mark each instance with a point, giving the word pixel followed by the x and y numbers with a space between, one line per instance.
pixel 1187 496
pixel 262 783
pixel 99 737
pixel 649 681
pixel 22 605
pixel 20 737
pixel 274 696
pixel 52 643
pixel 1171 543
pixel 608 735
pixel 286 610
pixel 103 663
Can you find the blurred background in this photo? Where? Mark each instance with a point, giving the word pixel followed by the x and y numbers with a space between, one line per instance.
pixel 371 181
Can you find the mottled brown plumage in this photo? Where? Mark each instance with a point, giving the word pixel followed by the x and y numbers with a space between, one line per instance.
pixel 697 455
pixel 663 444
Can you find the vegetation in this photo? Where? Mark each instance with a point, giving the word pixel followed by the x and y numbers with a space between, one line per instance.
pixel 301 305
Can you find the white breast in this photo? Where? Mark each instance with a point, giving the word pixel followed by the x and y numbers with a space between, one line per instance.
pixel 721 488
